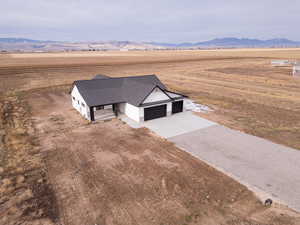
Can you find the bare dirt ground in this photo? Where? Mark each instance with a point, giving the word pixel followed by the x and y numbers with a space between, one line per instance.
pixel 26 197
pixel 56 168
pixel 109 173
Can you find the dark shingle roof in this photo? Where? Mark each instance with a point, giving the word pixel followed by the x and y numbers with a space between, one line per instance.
pixel 101 76
pixel 116 90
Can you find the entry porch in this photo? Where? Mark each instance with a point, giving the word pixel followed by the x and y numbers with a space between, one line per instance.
pixel 103 112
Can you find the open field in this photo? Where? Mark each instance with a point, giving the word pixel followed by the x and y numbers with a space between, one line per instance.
pixel 57 168
pixel 247 93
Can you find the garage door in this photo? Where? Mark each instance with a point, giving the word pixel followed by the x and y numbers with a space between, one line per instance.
pixel 155 112
pixel 177 107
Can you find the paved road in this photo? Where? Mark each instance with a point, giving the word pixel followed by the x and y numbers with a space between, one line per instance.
pixel 265 166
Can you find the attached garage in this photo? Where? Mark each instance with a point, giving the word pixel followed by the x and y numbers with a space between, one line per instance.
pixel 155 112
pixel 177 107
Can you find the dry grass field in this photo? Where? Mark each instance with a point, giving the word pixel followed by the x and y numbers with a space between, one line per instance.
pixel 245 91
pixel 56 168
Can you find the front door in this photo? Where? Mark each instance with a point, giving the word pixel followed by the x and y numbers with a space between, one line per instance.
pixel 92 113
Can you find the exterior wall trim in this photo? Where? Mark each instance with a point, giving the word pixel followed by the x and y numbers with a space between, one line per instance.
pixel 152 91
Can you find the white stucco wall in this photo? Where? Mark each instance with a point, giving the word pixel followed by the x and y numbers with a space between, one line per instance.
pixel 155 96
pixel 184 104
pixel 77 103
pixel 131 111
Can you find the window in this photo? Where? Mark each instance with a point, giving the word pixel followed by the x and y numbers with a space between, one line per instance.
pixel 78 102
pixel 83 105
pixel 74 98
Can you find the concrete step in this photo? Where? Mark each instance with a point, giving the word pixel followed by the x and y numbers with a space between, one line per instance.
pixel 105 116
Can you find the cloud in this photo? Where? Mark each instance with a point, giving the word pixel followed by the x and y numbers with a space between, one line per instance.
pixel 155 20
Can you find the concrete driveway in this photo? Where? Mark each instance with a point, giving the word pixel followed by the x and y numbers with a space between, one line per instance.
pixel 268 169
pixel 177 124
pixel 174 125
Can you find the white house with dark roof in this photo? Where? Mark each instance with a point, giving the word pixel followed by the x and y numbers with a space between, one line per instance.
pixel 141 98
pixel 296 70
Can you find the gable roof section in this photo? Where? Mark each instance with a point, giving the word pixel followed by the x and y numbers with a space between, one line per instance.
pixel 101 76
pixel 166 96
pixel 116 90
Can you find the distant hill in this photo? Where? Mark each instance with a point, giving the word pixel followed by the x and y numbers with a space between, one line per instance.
pixel 22 40
pixel 234 43
pixel 29 45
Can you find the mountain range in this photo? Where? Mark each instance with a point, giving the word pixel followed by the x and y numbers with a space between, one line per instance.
pixel 29 45
pixel 235 42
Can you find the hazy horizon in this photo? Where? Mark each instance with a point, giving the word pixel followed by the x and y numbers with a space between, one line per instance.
pixel 147 21
pixel 144 41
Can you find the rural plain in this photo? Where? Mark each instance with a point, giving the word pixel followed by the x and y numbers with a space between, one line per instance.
pixel 56 168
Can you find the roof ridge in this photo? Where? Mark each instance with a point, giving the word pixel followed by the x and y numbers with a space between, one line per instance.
pixel 132 89
pixel 147 75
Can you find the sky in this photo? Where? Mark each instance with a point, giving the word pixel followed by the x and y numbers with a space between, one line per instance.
pixel 149 20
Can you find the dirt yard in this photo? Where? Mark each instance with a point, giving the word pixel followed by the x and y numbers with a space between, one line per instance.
pixel 120 175
pixel 56 168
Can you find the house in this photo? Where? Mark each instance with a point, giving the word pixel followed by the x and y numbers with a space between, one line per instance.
pixel 296 70
pixel 141 98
